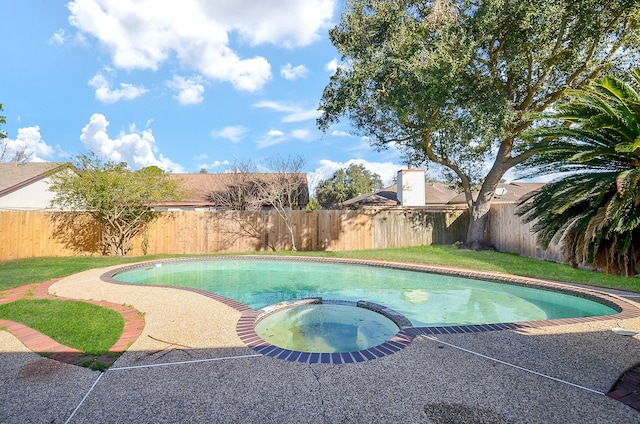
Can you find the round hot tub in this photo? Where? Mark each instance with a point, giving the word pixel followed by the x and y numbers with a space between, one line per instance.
pixel 314 325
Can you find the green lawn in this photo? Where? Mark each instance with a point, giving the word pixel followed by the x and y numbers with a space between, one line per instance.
pixel 94 330
pixel 489 261
pixel 22 271
pixel 80 325
pixel 18 272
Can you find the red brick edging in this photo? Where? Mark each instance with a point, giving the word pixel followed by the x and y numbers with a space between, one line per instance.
pixel 626 389
pixel 46 346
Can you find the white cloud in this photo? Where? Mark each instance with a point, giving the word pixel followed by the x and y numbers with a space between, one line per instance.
pixel 190 90
pixel 364 144
pixel 332 66
pixel 105 94
pixel 233 133
pixel 273 137
pixel 302 115
pixel 293 113
pixel 213 165
pixel 58 37
pixel 337 133
pixel 29 141
pixel 137 149
pixel 143 34
pixel 302 134
pixel 291 72
pixel 278 107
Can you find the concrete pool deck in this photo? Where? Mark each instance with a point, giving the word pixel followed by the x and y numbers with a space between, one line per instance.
pixel 189 365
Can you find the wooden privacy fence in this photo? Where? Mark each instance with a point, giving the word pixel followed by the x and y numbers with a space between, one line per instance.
pixel 507 233
pixel 33 234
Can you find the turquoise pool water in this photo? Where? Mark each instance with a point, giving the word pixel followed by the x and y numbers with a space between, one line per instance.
pixel 425 299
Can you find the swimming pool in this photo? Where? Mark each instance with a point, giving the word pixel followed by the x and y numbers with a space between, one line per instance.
pixel 287 311
pixel 425 299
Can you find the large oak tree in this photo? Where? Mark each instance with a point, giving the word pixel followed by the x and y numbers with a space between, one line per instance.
pixel 457 82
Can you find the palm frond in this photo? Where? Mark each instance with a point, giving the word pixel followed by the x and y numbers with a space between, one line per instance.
pixel 595 210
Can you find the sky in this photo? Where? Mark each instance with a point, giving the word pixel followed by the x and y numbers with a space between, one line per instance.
pixel 181 85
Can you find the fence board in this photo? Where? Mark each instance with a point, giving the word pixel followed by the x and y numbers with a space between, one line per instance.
pixel 507 233
pixel 31 234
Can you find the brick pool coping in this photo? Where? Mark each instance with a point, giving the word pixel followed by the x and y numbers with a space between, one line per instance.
pixel 626 389
pixel 246 332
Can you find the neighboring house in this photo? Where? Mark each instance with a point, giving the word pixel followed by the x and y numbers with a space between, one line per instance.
pixel 198 190
pixel 415 192
pixel 25 186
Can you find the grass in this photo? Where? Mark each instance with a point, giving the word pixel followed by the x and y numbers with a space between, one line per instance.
pixel 80 325
pixel 490 261
pixel 22 271
pixel 93 330
pixel 18 272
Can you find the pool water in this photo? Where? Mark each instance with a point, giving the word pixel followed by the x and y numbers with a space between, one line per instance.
pixel 325 328
pixel 425 299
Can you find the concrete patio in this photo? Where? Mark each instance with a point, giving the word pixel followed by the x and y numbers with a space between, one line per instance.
pixel 189 365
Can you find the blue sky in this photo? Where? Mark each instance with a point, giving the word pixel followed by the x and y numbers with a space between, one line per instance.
pixel 181 85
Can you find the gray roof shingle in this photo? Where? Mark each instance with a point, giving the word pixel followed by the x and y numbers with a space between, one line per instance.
pixel 13 176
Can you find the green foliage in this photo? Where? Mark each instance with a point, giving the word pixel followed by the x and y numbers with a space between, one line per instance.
pixel 313 205
pixel 346 184
pixel 119 200
pixel 456 82
pixel 80 325
pixel 3 120
pixel 20 155
pixel 595 210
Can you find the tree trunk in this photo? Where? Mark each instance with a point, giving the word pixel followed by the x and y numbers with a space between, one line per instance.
pixel 478 217
pixel 479 209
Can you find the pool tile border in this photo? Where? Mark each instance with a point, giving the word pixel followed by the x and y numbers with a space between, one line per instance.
pixel 245 329
pixel 246 332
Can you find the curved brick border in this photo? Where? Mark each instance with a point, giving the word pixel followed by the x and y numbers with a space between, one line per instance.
pixel 626 310
pixel 246 331
pixel 626 390
pixel 46 346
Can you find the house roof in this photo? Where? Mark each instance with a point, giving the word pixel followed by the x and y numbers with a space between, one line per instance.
pixel 198 187
pixel 505 193
pixel 437 193
pixel 384 197
pixel 16 175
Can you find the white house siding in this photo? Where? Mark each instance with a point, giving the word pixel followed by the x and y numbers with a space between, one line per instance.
pixel 34 196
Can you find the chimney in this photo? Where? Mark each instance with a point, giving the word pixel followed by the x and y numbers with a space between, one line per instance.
pixel 411 187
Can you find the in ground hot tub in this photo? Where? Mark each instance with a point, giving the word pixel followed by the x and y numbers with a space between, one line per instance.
pixel 325 326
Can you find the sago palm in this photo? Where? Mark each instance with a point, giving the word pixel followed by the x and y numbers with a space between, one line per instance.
pixel 595 209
